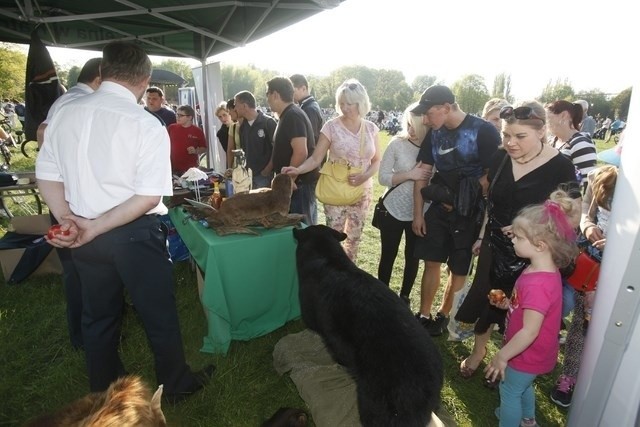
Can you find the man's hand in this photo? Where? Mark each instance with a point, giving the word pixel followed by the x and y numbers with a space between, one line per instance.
pixel 67 237
pixel 86 230
pixel 291 171
pixel 419 227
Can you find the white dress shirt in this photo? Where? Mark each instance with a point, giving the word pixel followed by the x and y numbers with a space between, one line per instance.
pixel 79 90
pixel 106 149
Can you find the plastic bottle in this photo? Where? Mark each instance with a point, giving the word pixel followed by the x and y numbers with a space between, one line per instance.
pixel 229 186
pixel 216 197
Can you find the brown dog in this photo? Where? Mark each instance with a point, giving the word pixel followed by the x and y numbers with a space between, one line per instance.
pixel 127 402
pixel 266 207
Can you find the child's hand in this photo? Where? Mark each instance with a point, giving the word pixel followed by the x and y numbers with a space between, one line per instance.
pixel 504 304
pixel 495 369
pixel 498 298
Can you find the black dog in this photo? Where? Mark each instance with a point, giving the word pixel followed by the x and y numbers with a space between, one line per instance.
pixel 368 329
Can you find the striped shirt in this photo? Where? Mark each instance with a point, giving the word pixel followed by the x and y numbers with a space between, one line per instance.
pixel 581 150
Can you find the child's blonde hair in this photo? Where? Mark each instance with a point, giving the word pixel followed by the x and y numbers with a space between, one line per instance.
pixel 604 184
pixel 550 223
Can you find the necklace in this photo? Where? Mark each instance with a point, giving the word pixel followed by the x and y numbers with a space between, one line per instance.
pixel 537 155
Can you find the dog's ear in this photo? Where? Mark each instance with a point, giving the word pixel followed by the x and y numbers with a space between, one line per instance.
pixel 156 406
pixel 156 400
pixel 338 235
pixel 297 233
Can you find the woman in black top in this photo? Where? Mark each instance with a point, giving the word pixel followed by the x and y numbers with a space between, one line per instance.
pixel 222 113
pixel 524 172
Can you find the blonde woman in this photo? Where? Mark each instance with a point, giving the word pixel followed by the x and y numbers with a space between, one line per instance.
pixel 352 138
pixel 222 113
pixel 491 111
pixel 398 172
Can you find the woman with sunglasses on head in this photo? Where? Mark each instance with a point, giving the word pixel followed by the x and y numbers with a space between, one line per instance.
pixel 523 172
pixel 564 124
pixel 348 138
pixel 187 141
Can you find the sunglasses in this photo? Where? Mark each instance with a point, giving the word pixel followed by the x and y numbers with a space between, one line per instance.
pixel 352 86
pixel 520 113
pixel 183 115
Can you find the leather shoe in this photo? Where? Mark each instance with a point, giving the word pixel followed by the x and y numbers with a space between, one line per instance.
pixel 201 379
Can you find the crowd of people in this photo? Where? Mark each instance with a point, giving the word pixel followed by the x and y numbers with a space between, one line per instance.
pixel 521 188
pixel 512 187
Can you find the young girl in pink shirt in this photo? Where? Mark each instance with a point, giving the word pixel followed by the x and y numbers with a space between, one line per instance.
pixel 543 234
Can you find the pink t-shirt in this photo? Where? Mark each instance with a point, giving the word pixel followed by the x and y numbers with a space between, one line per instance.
pixel 542 292
pixel 346 145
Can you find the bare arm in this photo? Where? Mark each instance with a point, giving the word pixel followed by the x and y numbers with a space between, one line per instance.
pixel 299 151
pixel 588 224
pixel 313 161
pixel 132 209
pixel 84 230
pixel 532 323
pixel 40 134
pixel 415 174
pixel 418 225
pixel 53 194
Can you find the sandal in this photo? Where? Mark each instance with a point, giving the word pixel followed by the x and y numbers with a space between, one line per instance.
pixel 467 371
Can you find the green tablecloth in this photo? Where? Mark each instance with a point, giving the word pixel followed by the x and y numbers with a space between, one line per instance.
pixel 250 282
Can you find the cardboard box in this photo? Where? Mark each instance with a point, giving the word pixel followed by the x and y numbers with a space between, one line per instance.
pixel 35 224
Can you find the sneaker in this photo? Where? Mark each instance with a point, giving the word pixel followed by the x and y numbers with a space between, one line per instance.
pixel 438 325
pixel 424 321
pixel 563 392
pixel 201 379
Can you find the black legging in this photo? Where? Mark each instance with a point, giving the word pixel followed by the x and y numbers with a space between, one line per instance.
pixel 391 231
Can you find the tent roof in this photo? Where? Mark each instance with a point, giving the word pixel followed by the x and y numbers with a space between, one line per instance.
pixel 165 77
pixel 195 29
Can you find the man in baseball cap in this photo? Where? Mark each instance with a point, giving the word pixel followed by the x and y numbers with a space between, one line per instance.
pixel 460 147
pixel 434 95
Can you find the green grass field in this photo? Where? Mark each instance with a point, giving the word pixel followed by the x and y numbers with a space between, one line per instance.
pixel 40 372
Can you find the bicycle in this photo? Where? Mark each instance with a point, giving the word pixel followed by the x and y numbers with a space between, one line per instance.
pixel 27 146
pixel 6 155
pixel 7 127
pixel 21 199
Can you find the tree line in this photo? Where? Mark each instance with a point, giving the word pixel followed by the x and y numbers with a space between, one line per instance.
pixel 388 89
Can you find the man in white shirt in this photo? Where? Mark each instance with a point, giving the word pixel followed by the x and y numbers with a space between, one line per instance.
pixel 102 172
pixel 88 82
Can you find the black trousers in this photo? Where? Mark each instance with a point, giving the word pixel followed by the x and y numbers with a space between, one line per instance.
pixel 134 257
pixel 391 231
pixel 73 293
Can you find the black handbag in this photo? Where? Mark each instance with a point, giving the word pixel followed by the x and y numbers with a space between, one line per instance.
pixel 380 211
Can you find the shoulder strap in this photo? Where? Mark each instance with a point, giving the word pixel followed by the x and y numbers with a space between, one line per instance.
pixel 495 177
pixel 384 196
